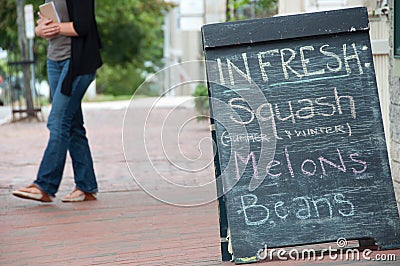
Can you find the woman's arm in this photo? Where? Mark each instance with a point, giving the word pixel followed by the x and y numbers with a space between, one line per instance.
pixel 46 28
pixel 67 29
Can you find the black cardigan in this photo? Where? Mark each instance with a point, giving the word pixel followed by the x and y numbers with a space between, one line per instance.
pixel 85 54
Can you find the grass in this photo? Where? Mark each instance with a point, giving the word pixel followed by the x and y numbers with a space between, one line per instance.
pixel 108 98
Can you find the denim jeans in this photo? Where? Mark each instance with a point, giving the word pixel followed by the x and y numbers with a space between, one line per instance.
pixel 67 133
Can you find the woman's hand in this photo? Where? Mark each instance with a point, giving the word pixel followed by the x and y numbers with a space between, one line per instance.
pixel 46 28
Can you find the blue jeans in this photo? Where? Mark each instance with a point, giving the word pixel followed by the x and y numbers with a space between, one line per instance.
pixel 67 133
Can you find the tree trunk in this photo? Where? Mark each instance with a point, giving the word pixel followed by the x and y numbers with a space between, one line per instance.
pixel 24 48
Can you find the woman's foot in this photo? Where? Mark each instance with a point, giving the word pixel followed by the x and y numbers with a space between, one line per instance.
pixel 78 195
pixel 32 192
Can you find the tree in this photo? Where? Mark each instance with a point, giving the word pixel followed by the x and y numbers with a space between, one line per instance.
pixel 12 35
pixel 24 49
pixel 245 9
pixel 9 26
pixel 132 37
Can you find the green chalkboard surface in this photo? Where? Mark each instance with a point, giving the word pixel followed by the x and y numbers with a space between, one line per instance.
pixel 300 148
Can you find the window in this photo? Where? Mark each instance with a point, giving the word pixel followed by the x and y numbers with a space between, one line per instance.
pixel 396 15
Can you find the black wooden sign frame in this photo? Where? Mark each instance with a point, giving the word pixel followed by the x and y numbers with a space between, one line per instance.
pixel 300 149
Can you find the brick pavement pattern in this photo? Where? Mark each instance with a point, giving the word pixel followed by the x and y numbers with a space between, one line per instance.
pixel 126 225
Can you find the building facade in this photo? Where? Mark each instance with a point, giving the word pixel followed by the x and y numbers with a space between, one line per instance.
pixel 394 91
pixel 182 34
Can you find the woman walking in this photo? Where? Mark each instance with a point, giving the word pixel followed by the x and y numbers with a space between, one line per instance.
pixel 72 60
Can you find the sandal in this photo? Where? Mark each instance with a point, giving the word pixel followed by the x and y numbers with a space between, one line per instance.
pixel 32 192
pixel 78 195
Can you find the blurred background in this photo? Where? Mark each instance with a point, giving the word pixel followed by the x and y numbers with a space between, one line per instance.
pixel 143 37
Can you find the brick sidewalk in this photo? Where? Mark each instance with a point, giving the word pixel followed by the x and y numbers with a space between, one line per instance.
pixel 126 225
pixel 120 228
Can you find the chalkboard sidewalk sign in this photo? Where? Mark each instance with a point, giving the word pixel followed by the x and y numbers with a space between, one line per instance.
pixel 300 151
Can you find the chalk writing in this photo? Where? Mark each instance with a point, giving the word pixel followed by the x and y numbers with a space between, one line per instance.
pixel 227 138
pixel 321 166
pixel 316 131
pixel 308 80
pixel 285 59
pixel 246 161
pixel 303 208
pixel 300 145
pixel 294 110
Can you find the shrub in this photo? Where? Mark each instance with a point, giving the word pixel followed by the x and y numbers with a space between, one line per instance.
pixel 201 102
pixel 118 80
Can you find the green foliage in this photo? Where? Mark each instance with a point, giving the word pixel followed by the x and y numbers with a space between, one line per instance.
pixel 8 22
pixel 131 31
pixel 108 98
pixel 245 9
pixel 118 79
pixel 201 101
pixel 9 34
pixel 116 40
